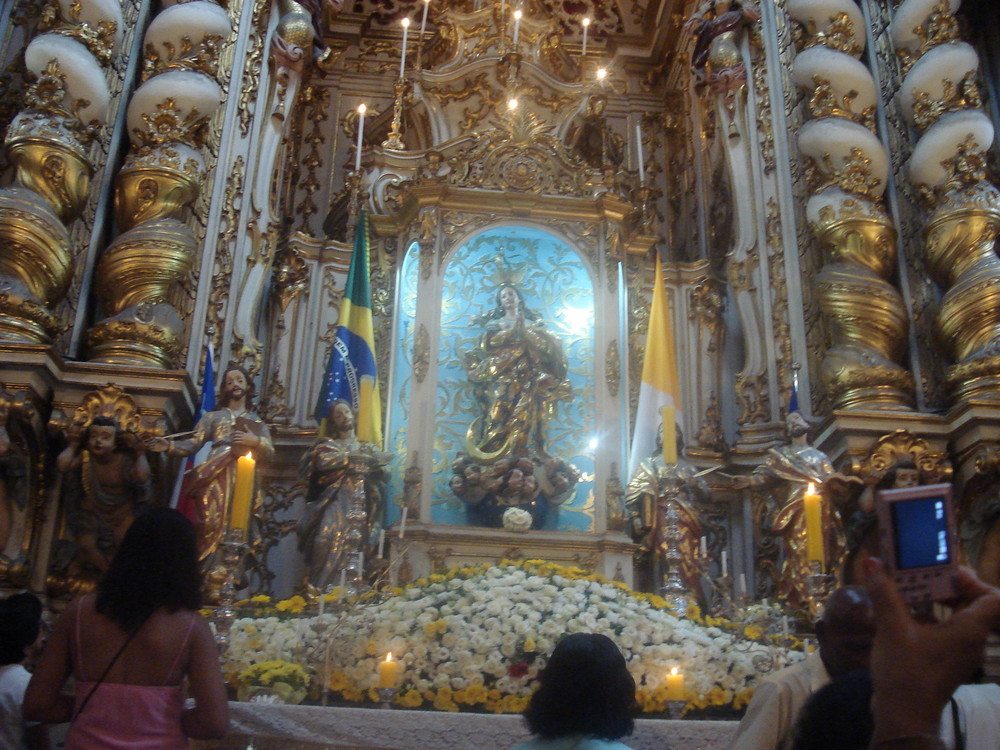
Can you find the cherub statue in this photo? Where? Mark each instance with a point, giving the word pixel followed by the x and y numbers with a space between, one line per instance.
pixel 719 26
pixel 106 482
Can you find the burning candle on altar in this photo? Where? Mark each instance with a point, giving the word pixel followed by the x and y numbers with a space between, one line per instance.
pixel 423 18
pixel 239 516
pixel 405 23
pixel 402 522
pixel 586 27
pixel 388 672
pixel 601 74
pixel 725 563
pixel 675 685
pixel 813 506
pixel 381 543
pixel 517 25
pixel 639 155
pixel 361 134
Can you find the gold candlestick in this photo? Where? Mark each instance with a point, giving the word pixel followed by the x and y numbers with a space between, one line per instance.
pixel 395 141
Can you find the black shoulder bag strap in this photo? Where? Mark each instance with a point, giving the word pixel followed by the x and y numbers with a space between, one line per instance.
pixel 956 723
pixel 104 674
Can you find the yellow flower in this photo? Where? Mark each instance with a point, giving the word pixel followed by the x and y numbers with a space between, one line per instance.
pixel 476 694
pixel 411 699
pixel 752 632
pixel 529 645
pixel 437 627
pixel 693 611
pixel 338 681
pixel 370 648
pixel 260 599
pixel 294 605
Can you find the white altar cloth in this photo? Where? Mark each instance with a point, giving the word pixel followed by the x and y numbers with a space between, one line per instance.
pixel 313 727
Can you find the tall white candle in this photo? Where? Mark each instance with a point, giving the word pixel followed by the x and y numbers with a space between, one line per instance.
pixel 586 28
pixel 725 563
pixel 361 134
pixel 402 522
pixel 503 7
pixel 402 60
pixel 381 543
pixel 741 585
pixel 361 564
pixel 704 547
pixel 638 153
pixel 423 19
pixel 322 601
pixel 517 25
pixel 343 582
pixel 784 625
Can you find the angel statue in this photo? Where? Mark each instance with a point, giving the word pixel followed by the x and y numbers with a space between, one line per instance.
pixel 795 466
pixel 719 26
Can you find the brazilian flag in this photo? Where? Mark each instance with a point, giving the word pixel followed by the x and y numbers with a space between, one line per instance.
pixel 351 373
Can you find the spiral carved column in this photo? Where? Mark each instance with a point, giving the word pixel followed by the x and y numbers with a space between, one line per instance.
pixel 138 277
pixel 48 144
pixel 847 166
pixel 940 97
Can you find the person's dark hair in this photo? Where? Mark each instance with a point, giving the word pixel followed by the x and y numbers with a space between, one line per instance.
pixel 838 716
pixel 155 566
pixel 20 623
pixel 101 421
pixel 585 689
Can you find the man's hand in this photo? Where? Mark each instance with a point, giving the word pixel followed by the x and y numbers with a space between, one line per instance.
pixel 916 667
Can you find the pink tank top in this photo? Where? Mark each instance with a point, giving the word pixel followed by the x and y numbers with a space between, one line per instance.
pixel 120 716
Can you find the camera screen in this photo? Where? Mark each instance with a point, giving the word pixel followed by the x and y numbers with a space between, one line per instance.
pixel 921 533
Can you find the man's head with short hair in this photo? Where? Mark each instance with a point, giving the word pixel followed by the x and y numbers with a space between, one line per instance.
pixel 846 630
pixel 20 624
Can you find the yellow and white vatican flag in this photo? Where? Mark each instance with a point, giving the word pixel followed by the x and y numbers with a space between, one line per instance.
pixel 659 393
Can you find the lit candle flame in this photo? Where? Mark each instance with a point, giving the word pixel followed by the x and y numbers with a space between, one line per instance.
pixel 388 656
pixel 586 21
pixel 601 74
pixel 362 109
pixel 405 22
pixel 673 670
pixel 812 489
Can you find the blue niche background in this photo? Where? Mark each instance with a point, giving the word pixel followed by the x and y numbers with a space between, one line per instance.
pixel 555 282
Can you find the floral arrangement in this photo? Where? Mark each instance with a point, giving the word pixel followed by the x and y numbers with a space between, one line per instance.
pixel 288 682
pixel 477 637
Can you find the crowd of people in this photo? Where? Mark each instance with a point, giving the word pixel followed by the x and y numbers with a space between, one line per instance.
pixel 137 647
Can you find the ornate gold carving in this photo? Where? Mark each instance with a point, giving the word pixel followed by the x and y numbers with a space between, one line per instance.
pixel 824 102
pixel 866 313
pixel 150 193
pixel 36 248
pixel 613 368
pixel 316 101
pixel 966 171
pixel 47 94
pixel 765 120
pixel 966 95
pixel 940 27
pixel 754 399
pixel 109 401
pixel 291 275
pixel 169 125
pixel 201 56
pixel 421 353
pixel 901 445
pixel 142 264
pixel 710 435
pixel 253 64
pixel 614 494
pixel 707 303
pixel 133 342
pixel 960 237
pixel 853 175
pixel 100 41
pixel 839 35
pixel 55 168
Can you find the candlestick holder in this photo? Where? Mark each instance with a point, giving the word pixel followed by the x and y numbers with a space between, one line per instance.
pixel 673 588
pixel 819 585
pixel 395 140
pixel 386 694
pixel 231 550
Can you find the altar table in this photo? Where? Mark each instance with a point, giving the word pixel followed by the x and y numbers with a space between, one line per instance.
pixel 268 727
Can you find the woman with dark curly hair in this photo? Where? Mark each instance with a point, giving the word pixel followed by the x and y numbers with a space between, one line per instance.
pixel 131 648
pixel 585 700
